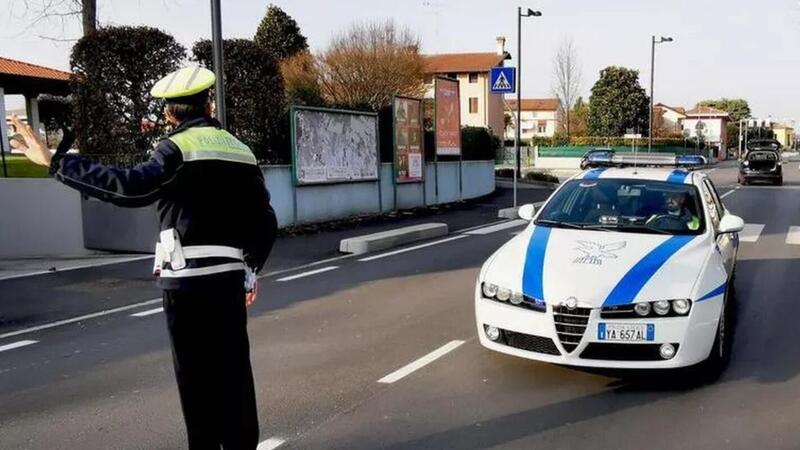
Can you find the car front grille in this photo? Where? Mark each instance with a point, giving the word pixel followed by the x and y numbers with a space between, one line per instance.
pixel 570 325
pixel 531 343
pixel 623 352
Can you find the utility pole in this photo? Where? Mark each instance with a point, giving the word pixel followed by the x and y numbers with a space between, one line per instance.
pixel 517 165
pixel 653 43
pixel 216 43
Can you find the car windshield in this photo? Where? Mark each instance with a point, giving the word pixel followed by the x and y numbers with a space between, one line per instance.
pixel 636 206
pixel 763 144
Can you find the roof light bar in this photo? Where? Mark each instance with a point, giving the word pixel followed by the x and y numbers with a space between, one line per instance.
pixel 645 160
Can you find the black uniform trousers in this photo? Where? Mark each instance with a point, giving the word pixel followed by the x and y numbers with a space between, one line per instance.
pixel 211 354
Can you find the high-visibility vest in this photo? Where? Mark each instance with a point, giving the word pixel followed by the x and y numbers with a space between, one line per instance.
pixel 211 143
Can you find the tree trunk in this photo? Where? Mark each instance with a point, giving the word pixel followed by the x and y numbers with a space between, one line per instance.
pixel 567 126
pixel 89 13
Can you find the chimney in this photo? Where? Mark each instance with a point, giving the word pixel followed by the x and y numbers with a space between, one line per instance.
pixel 501 45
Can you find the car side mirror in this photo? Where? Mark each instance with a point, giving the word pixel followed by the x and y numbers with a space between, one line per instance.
pixel 731 224
pixel 526 212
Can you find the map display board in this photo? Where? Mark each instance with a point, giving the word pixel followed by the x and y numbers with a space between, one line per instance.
pixel 408 158
pixel 448 117
pixel 334 146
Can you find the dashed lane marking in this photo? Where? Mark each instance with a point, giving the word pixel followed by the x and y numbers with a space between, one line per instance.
pixel 149 312
pixel 410 249
pixel 421 362
pixel 78 319
pixel 308 274
pixel 498 227
pixel 751 232
pixel 14 345
pixel 271 444
pixel 793 236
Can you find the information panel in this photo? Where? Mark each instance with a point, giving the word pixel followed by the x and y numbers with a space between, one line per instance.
pixel 334 146
pixel 448 117
pixel 408 156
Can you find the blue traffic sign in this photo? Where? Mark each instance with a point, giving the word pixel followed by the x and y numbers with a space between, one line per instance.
pixel 502 80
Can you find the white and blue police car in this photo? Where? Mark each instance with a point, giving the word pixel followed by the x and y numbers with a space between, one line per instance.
pixel 622 267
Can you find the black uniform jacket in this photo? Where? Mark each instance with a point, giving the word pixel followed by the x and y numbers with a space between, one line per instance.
pixel 209 202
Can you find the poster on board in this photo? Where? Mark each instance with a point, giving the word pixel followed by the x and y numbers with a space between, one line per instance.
pixel 448 117
pixel 408 156
pixel 334 146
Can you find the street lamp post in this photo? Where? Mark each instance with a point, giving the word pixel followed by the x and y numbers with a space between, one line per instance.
pixel 216 44
pixel 517 166
pixel 653 43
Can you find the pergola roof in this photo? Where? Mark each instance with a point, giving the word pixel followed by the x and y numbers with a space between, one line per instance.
pixel 18 77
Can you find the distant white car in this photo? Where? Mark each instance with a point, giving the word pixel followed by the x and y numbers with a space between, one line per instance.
pixel 621 268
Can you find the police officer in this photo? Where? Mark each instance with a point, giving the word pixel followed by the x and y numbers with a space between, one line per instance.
pixel 217 228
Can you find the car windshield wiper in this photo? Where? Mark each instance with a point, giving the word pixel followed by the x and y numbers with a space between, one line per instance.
pixel 642 227
pixel 577 226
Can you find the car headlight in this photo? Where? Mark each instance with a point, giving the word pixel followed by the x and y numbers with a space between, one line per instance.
pixel 659 308
pixel 501 294
pixel 746 163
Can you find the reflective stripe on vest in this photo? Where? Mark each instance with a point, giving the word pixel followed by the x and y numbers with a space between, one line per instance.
pixel 210 143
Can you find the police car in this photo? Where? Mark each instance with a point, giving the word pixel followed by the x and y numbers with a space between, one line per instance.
pixel 623 267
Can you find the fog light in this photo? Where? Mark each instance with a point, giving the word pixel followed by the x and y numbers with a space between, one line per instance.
pixel 661 307
pixel 516 298
pixel 493 333
pixel 503 294
pixel 667 351
pixel 642 309
pixel 489 290
pixel 681 306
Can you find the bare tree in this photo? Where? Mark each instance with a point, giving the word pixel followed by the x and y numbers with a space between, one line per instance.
pixel 60 11
pixel 369 63
pixel 567 79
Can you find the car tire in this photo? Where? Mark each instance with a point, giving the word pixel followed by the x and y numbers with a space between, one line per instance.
pixel 779 182
pixel 711 369
pixel 743 181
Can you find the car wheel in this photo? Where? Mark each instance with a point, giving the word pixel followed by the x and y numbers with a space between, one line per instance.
pixel 743 181
pixel 779 182
pixel 720 355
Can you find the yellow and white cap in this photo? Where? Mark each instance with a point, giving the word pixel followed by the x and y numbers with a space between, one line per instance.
pixel 183 83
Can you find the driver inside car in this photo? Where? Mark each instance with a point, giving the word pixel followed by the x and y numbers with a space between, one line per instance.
pixel 675 205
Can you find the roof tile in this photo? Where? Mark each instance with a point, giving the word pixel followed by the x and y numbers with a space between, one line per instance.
pixel 462 62
pixel 20 68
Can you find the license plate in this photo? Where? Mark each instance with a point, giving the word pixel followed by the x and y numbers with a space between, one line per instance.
pixel 626 332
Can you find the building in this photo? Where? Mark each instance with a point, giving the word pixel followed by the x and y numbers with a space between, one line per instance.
pixel 668 120
pixel 539 118
pixel 479 107
pixel 712 124
pixel 784 134
pixel 29 80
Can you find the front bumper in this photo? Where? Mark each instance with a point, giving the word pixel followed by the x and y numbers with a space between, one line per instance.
pixel 693 335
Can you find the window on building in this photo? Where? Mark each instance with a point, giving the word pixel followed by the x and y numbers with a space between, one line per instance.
pixel 473 105
pixel 473 77
pixel 541 126
pixel 452 76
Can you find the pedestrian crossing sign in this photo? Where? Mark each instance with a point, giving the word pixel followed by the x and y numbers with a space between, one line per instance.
pixel 502 80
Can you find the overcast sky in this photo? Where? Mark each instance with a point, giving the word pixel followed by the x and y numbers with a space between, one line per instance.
pixel 731 48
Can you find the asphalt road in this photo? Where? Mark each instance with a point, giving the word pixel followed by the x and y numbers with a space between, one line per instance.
pixel 327 347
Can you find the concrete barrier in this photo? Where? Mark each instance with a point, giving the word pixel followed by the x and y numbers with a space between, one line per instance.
pixel 392 238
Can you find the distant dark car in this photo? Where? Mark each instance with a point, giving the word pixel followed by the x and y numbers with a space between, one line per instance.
pixel 761 162
pixel 602 153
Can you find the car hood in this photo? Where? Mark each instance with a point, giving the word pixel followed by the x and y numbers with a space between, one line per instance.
pixel 598 268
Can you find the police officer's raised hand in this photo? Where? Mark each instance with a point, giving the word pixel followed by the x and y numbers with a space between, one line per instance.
pixel 34 147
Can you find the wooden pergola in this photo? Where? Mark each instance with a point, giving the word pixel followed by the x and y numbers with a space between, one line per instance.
pixel 30 81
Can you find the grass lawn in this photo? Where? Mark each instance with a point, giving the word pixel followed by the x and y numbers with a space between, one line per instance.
pixel 19 167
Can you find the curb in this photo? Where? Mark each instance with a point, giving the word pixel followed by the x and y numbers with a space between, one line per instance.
pixel 387 239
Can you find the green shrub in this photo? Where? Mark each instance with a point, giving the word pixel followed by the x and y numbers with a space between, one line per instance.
pixel 541 176
pixel 113 71
pixel 504 173
pixel 478 144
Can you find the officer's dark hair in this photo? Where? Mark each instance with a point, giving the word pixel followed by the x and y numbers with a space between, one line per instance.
pixel 189 107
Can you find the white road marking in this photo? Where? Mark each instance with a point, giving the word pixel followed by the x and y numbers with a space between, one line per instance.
pixel 78 319
pixel 69 268
pixel 304 266
pixel 410 249
pixel 148 312
pixel 14 345
pixel 751 232
pixel 729 192
pixel 308 274
pixel 270 444
pixel 793 236
pixel 464 230
pixel 420 363
pixel 499 227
